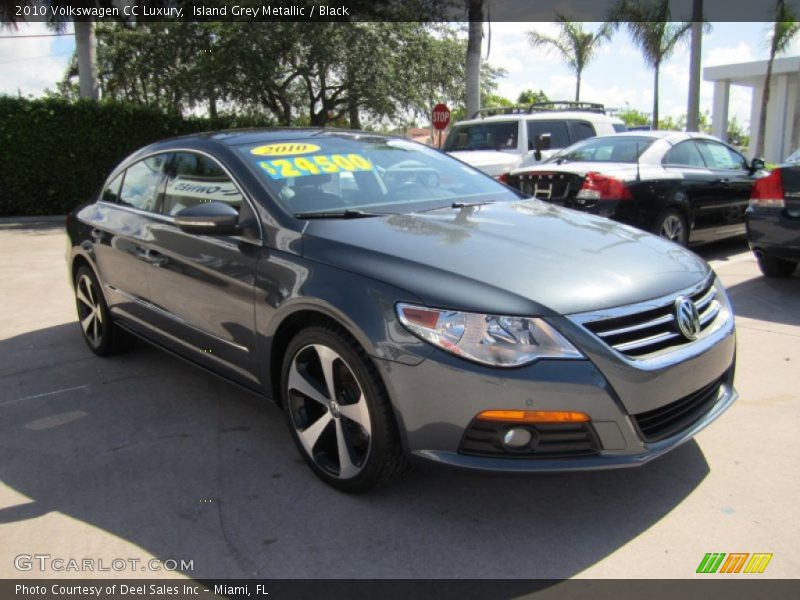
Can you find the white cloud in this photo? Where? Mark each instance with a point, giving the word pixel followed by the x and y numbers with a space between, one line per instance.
pixel 725 55
pixel 29 65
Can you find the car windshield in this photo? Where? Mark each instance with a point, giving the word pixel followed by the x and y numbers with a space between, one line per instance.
pixel 349 175
pixel 604 149
pixel 496 135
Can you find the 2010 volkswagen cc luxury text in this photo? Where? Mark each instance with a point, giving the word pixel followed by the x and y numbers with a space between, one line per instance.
pixel 400 304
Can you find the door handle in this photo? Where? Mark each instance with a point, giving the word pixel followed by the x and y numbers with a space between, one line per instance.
pixel 723 180
pixel 156 259
pixel 97 234
pixel 151 257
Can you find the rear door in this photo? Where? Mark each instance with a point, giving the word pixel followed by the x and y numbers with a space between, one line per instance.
pixel 732 184
pixel 691 182
pixel 203 286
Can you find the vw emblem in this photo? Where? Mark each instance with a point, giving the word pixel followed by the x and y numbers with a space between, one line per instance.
pixel 687 317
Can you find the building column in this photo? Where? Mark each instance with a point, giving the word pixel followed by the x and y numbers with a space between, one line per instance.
pixel 777 137
pixel 719 110
pixel 755 111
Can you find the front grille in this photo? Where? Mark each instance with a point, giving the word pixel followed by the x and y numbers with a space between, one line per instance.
pixel 654 330
pixel 668 420
pixel 548 440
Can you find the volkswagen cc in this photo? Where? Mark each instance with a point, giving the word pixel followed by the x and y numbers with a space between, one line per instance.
pixel 400 305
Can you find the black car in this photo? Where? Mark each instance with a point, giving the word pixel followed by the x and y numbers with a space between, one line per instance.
pixel 686 187
pixel 773 221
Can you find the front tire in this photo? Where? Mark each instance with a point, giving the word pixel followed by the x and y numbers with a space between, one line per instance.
pixel 100 333
pixel 775 267
pixel 338 411
pixel 671 225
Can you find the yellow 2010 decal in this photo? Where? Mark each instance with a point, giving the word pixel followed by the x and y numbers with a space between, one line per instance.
pixel 301 166
pixel 284 149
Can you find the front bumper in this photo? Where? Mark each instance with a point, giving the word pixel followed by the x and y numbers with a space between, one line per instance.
pixel 437 400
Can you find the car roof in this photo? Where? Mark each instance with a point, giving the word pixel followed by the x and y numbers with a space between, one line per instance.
pixel 256 135
pixel 556 115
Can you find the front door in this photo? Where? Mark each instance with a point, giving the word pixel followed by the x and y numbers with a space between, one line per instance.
pixel 203 286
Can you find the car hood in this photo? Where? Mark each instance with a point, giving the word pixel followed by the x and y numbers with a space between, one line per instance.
pixel 518 258
pixel 491 162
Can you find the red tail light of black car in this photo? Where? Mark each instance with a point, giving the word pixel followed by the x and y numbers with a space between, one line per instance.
pixel 597 186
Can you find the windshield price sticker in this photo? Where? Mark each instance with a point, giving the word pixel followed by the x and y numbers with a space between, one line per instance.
pixel 285 149
pixel 320 164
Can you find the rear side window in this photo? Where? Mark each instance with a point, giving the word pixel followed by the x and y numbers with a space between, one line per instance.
pixel 195 179
pixel 582 130
pixel 111 191
pixel 141 182
pixel 684 154
pixel 718 156
pixel 559 135
pixel 619 127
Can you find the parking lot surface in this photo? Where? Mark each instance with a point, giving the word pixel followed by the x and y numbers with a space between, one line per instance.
pixel 143 456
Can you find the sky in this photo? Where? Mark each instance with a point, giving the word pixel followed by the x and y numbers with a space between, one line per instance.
pixel 618 75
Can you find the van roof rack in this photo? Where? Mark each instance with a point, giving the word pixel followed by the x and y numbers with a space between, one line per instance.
pixel 553 105
pixel 548 106
pixel 517 109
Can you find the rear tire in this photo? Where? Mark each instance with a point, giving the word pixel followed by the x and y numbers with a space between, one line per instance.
pixel 776 267
pixel 101 334
pixel 338 411
pixel 671 225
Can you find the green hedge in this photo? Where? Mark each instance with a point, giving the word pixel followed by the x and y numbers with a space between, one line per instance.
pixel 57 153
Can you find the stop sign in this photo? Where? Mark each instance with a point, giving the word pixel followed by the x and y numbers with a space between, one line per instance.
pixel 441 116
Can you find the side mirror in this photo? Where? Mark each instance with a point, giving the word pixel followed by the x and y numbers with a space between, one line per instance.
pixel 209 218
pixel 756 164
pixel 543 142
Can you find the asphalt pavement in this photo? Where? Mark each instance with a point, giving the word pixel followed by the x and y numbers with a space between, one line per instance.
pixel 144 457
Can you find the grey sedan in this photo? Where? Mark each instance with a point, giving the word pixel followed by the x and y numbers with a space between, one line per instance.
pixel 400 305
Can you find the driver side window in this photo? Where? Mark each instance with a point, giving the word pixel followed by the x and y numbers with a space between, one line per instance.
pixel 195 179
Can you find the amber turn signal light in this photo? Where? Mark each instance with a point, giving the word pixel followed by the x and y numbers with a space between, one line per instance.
pixel 534 416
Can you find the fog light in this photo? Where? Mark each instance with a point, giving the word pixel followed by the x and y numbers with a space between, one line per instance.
pixel 517 438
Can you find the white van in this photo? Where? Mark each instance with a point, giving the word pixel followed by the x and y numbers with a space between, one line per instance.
pixel 498 140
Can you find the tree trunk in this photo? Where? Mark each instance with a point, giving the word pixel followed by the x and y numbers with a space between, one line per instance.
pixel 655 98
pixel 578 88
pixel 86 49
pixel 212 104
pixel 355 118
pixel 693 103
pixel 762 116
pixel 474 43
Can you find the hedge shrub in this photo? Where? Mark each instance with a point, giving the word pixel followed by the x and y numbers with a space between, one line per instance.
pixel 57 153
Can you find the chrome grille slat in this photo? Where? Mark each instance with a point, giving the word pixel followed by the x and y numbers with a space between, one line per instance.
pixel 662 337
pixel 659 321
pixel 701 302
pixel 650 328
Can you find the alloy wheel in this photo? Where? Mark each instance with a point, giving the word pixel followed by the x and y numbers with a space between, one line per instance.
pixel 672 228
pixel 329 411
pixel 90 311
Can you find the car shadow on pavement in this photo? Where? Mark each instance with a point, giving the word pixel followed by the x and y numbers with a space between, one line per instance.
pixel 768 299
pixel 187 466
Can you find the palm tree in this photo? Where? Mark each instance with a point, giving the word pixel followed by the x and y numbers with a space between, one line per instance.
pixel 693 102
pixel 575 45
pixel 784 30
pixel 85 41
pixel 474 42
pixel 650 29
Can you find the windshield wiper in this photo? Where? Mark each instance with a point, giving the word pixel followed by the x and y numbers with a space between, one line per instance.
pixel 342 214
pixel 469 204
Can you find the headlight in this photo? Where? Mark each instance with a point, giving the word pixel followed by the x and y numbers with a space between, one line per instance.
pixel 487 339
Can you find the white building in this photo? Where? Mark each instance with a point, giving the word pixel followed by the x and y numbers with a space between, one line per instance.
pixel 783 112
